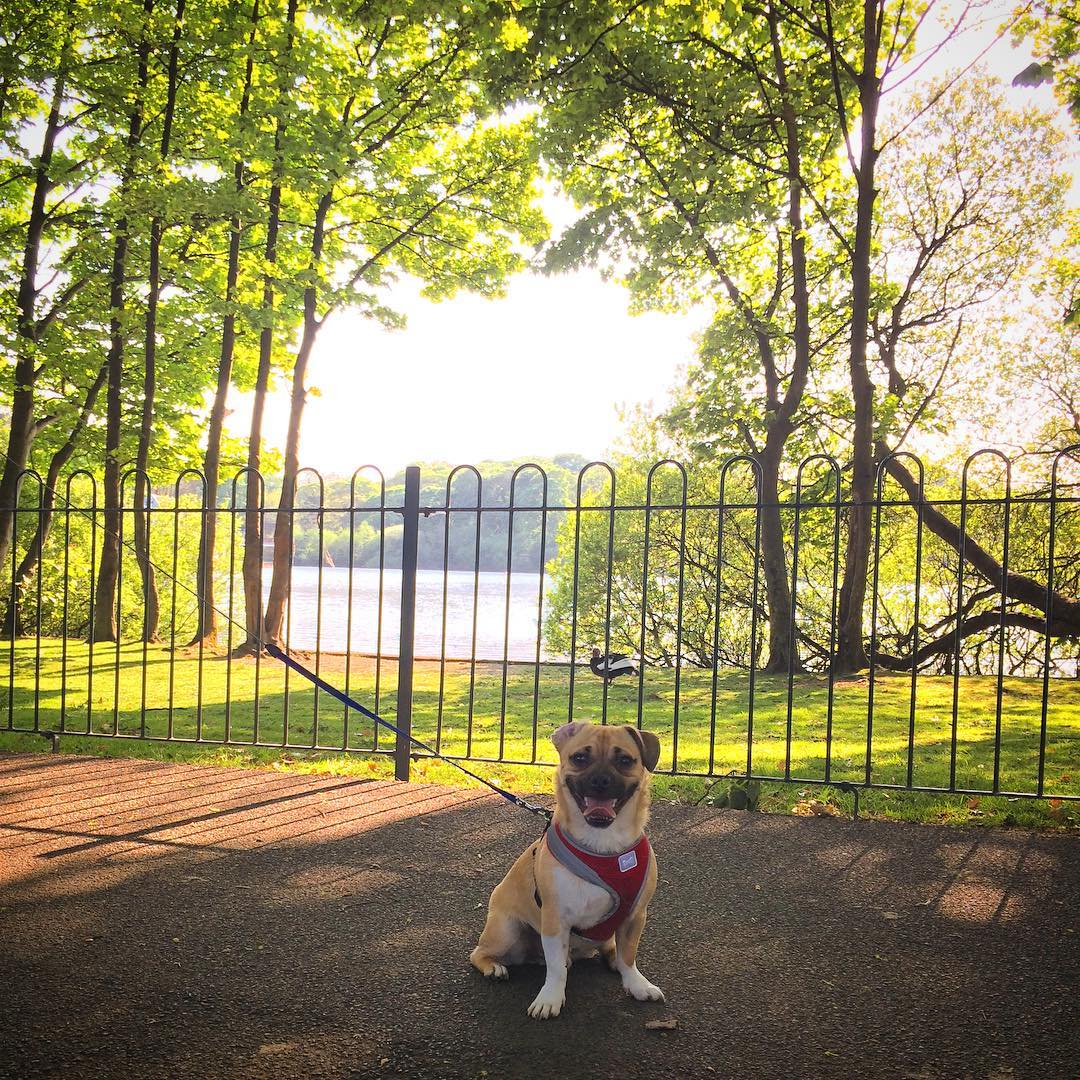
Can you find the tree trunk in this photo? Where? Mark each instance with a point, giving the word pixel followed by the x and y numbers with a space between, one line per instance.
pixel 105 626
pixel 59 459
pixel 151 606
pixel 253 493
pixel 851 651
pixel 206 630
pixel 1062 611
pixel 782 648
pixel 783 641
pixel 283 524
pixel 253 605
pixel 283 519
pixel 21 427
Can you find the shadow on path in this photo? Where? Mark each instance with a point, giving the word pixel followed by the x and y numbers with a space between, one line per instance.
pixel 177 921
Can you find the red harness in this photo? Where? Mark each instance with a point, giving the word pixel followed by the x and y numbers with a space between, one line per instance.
pixel 622 875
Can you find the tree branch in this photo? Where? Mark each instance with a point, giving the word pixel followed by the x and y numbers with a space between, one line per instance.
pixel 977 624
pixel 1062 613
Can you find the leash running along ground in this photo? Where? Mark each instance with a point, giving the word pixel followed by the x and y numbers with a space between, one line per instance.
pixel 282 655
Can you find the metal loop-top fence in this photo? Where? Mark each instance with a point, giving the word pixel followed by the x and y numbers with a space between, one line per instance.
pixel 467 607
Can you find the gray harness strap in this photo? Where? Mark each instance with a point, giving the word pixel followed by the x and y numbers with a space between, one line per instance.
pixel 580 869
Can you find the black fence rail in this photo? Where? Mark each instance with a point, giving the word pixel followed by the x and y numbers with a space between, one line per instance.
pixel 467 609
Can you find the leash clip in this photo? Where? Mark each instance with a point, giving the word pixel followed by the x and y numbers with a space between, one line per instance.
pixel 541 811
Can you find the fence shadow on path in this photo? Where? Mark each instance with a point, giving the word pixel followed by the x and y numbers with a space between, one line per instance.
pixel 182 921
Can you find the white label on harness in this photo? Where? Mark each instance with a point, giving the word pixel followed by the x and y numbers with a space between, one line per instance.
pixel 627 861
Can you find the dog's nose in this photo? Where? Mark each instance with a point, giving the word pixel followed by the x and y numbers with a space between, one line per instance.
pixel 600 783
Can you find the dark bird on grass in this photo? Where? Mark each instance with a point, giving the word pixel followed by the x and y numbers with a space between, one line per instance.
pixel 611 665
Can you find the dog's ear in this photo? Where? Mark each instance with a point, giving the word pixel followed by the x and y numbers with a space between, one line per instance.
pixel 567 731
pixel 649 745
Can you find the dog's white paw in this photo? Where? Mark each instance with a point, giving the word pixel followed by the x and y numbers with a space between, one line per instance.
pixel 547 1003
pixel 637 986
pixel 498 971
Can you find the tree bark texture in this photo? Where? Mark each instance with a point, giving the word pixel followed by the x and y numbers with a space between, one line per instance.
pixel 106 625
pixel 206 630
pixel 851 650
pixel 253 539
pixel 21 427
pixel 283 525
pixel 151 606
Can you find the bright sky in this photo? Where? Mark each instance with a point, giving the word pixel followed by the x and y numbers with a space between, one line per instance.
pixel 534 374
pixel 540 372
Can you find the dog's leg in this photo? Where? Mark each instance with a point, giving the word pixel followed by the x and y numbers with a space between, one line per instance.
pixel 549 1001
pixel 627 938
pixel 497 944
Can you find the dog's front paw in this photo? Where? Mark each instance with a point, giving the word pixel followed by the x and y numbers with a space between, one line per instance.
pixel 637 986
pixel 497 971
pixel 547 1003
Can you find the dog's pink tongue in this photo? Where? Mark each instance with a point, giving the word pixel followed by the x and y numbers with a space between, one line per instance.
pixel 599 807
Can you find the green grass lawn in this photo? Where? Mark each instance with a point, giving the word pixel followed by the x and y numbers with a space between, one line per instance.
pixel 288 724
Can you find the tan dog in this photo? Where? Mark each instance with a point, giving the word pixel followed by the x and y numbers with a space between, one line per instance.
pixel 587 882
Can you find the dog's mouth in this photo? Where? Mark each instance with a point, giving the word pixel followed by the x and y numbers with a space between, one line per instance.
pixel 600 813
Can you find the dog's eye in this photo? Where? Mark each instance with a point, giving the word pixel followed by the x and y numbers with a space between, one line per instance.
pixel 624 761
pixel 580 758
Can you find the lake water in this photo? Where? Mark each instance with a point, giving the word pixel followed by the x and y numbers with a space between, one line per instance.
pixel 490 608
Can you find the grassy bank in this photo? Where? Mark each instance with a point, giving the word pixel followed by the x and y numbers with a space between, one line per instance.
pixel 476 711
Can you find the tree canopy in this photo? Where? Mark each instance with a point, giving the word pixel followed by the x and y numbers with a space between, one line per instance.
pixel 190 189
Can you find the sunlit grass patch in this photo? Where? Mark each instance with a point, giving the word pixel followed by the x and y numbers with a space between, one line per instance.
pixel 490 712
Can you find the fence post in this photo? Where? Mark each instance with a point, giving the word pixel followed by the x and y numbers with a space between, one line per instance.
pixel 411 514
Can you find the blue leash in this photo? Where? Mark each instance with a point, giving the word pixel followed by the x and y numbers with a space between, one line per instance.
pixel 280 654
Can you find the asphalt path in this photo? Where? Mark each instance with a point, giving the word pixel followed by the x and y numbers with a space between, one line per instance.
pixel 172 921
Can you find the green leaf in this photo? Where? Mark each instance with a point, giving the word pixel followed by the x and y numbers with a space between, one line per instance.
pixel 513 35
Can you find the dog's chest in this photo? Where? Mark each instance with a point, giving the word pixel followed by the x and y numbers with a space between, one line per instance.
pixel 580 902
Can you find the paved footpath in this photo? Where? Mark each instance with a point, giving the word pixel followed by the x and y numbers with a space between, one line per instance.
pixel 172 921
